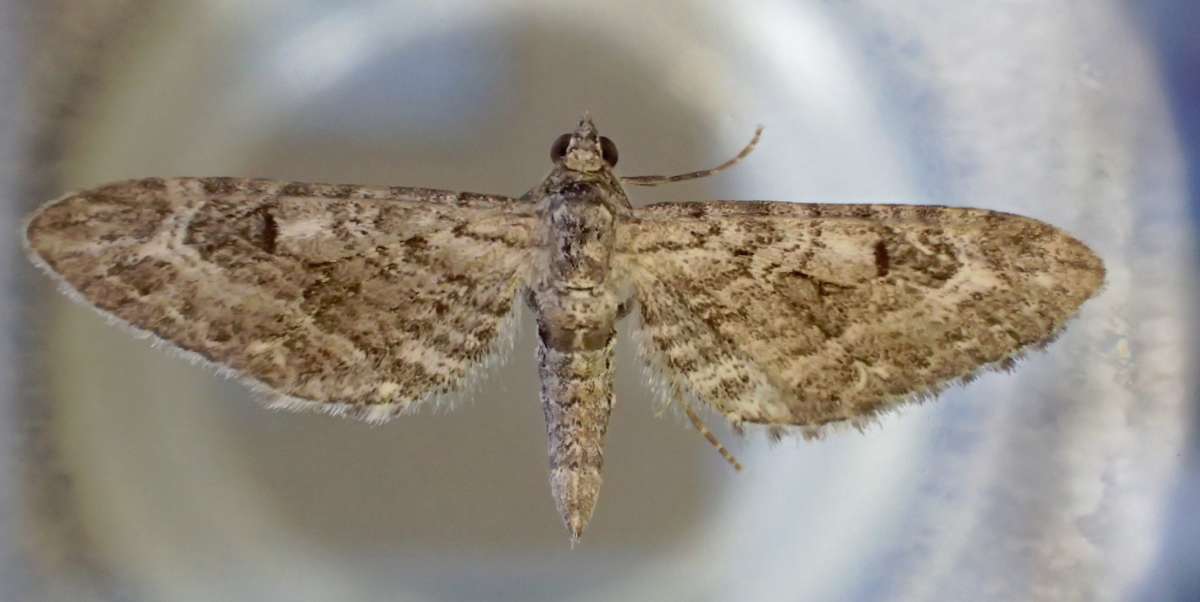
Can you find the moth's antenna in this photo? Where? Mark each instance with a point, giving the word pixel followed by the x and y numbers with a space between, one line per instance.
pixel 656 180
pixel 708 434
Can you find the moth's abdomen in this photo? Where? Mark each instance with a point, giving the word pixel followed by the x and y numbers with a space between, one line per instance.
pixel 575 351
pixel 577 399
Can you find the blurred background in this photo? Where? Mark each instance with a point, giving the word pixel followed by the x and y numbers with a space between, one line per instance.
pixel 128 474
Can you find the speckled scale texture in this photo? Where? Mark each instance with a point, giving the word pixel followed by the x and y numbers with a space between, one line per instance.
pixel 368 302
pixel 805 315
pixel 357 301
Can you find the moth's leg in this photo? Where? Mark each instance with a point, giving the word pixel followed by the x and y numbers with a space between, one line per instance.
pixel 708 434
pixel 656 180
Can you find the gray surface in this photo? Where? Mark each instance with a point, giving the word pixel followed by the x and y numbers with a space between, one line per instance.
pixel 1044 484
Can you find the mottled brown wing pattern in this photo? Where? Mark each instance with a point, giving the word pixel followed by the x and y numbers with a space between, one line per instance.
pixel 805 315
pixel 353 300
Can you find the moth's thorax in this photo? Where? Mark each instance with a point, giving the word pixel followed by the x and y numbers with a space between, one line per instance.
pixel 579 214
pixel 565 183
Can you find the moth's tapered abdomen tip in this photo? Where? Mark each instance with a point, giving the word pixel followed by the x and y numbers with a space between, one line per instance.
pixel 575 525
pixel 575 491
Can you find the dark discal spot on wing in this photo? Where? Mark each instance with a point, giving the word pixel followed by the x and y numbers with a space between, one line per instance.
pixel 269 232
pixel 900 275
pixel 926 257
pixel 236 233
pixel 881 259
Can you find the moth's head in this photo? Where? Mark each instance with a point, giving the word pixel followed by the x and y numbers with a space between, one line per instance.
pixel 584 150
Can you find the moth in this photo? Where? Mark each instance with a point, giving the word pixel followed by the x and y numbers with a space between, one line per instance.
pixel 369 302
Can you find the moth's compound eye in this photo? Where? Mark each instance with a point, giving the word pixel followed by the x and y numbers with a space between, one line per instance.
pixel 608 150
pixel 558 150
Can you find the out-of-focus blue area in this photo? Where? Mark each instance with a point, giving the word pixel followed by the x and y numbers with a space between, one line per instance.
pixel 1171 28
pixel 1069 479
pixel 1172 31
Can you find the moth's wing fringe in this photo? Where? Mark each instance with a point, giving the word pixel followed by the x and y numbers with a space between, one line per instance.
pixel 494 358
